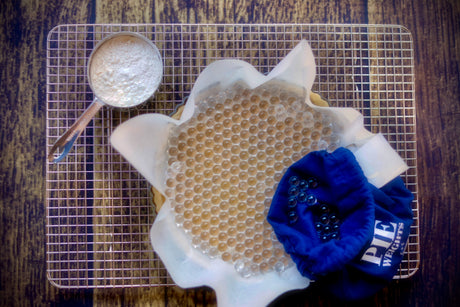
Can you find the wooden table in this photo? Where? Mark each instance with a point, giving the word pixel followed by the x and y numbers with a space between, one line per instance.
pixel 25 25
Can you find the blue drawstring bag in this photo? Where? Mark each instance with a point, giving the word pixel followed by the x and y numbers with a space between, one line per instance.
pixel 327 215
pixel 379 260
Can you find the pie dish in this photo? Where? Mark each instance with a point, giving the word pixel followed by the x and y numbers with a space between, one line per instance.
pixel 212 229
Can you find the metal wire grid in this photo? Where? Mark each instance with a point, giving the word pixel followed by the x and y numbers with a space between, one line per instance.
pixel 99 208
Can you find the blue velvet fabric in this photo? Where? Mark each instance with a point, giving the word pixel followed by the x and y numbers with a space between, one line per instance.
pixel 328 226
pixel 379 261
pixel 342 183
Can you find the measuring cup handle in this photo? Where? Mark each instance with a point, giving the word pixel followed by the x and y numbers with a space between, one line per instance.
pixel 65 142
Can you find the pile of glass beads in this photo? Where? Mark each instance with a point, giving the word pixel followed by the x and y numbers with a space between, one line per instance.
pixel 301 193
pixel 225 163
pixel 327 222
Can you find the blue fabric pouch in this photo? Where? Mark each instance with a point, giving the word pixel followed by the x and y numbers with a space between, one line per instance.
pixel 379 260
pixel 328 217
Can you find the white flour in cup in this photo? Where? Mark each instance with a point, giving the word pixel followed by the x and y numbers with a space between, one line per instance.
pixel 125 71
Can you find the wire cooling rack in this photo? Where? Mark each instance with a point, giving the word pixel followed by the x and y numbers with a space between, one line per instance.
pixel 99 212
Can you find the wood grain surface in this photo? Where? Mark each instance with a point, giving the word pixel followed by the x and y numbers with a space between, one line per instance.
pixel 25 24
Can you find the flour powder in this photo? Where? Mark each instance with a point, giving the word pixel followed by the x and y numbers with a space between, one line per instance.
pixel 125 71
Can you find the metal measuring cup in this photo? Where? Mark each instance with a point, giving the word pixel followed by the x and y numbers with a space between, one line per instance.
pixel 66 141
